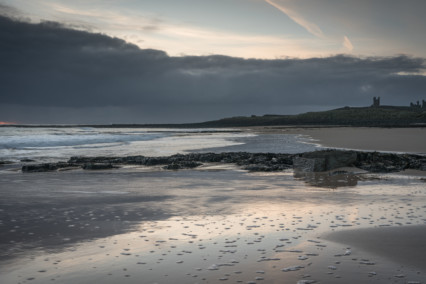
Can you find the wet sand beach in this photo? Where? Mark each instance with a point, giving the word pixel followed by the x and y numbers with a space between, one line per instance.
pixel 401 244
pixel 213 224
pixel 404 140
pixel 209 225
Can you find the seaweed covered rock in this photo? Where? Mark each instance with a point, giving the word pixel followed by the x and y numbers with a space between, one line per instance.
pixel 39 168
pixel 46 167
pixel 389 162
pixel 182 165
pixel 98 166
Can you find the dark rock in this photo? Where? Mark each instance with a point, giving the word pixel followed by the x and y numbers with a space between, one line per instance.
pixel 172 167
pixel 40 168
pixel 27 160
pixel 388 162
pixel 321 161
pixel 5 163
pixel 317 161
pixel 97 166
pixel 190 164
pixel 88 160
pixel 46 167
pixel 182 165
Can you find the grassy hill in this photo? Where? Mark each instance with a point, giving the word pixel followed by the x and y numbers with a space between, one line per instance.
pixel 383 116
pixel 347 116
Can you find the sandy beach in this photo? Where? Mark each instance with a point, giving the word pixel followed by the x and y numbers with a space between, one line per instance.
pixel 213 224
pixel 401 244
pixel 404 140
pixel 200 226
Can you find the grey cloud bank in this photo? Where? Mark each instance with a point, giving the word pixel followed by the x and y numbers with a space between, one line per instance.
pixel 53 74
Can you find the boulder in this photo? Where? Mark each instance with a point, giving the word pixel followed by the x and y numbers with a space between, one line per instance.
pixel 97 166
pixel 5 163
pixel 182 165
pixel 39 168
pixel 321 161
pixel 26 160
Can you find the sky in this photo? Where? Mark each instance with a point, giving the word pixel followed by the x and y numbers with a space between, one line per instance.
pixel 160 61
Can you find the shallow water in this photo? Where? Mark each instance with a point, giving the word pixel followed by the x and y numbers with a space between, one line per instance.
pixel 59 144
pixel 210 225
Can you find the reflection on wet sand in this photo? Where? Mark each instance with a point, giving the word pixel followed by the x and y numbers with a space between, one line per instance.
pixel 200 226
pixel 333 179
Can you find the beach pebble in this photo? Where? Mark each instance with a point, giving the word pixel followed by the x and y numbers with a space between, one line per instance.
pixel 292 268
pixel 213 267
pixel 268 259
pixel 367 262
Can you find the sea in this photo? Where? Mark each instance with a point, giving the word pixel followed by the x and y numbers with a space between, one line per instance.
pixel 50 144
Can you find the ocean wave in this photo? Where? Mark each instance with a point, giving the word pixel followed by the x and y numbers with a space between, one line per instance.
pixel 47 138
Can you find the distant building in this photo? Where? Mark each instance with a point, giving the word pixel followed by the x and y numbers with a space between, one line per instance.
pixel 376 102
pixel 418 105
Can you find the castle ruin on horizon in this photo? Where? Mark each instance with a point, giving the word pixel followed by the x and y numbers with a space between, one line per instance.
pixel 417 105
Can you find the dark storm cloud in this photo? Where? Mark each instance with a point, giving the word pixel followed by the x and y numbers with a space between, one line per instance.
pixel 50 65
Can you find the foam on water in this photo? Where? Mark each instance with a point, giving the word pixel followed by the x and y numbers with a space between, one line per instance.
pixel 56 137
pixel 53 144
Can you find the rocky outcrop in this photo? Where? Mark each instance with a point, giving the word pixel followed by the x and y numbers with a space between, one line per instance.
pixel 182 165
pixel 266 161
pixel 376 162
pixel 387 162
pixel 321 161
pixel 26 160
pixel 318 161
pixel 98 166
pixel 5 163
pixel 46 167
